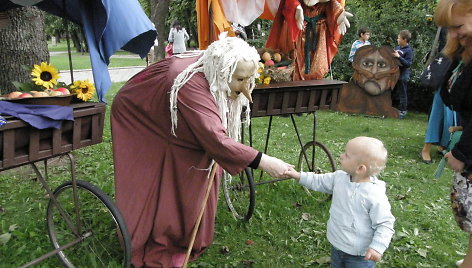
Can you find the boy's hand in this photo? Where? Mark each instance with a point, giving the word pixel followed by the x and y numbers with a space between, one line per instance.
pixel 372 255
pixel 396 54
pixel 292 173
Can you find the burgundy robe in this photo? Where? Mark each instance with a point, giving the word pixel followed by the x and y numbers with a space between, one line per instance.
pixel 161 179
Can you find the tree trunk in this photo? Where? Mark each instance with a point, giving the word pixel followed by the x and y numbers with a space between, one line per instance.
pixel 159 11
pixel 22 42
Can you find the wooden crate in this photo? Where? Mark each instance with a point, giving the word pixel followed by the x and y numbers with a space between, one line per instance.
pixel 20 143
pixel 295 97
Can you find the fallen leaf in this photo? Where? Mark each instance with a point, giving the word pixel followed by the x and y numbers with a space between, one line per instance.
pixel 4 238
pixel 250 242
pixel 247 262
pixel 323 260
pixel 224 250
pixel 12 227
pixel 422 252
pixel 400 197
pixel 306 216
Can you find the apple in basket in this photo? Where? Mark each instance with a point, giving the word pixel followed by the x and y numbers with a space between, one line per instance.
pixel 25 95
pixel 64 90
pixel 40 94
pixel 14 94
pixel 55 93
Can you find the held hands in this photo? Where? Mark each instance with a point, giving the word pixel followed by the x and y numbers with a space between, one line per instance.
pixel 343 22
pixel 372 255
pixel 292 173
pixel 454 163
pixel 274 166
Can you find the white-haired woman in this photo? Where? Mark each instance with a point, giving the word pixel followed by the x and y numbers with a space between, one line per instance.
pixel 169 123
pixel 456 92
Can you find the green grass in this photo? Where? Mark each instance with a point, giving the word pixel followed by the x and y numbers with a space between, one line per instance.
pixel 288 228
pixel 82 60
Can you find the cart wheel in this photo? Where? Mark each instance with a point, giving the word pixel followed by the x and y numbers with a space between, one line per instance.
pixel 319 159
pixel 240 194
pixel 106 241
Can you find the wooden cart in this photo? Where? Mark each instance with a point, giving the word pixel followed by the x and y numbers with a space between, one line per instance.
pixel 81 219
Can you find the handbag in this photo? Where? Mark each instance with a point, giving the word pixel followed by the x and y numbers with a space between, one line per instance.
pixel 433 75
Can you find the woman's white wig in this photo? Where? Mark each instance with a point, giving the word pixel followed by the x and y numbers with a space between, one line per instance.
pixel 218 63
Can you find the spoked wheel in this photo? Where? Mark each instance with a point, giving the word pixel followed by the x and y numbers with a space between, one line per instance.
pixel 240 194
pixel 318 158
pixel 95 220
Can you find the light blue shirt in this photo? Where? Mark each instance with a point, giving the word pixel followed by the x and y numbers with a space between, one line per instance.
pixel 360 216
pixel 355 46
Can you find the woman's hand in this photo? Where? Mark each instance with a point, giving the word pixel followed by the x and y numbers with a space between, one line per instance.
pixel 454 163
pixel 274 166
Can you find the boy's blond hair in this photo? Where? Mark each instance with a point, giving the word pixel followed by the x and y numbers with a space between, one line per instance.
pixel 373 155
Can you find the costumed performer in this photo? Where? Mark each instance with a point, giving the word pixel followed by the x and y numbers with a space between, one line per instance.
pixel 312 31
pixel 170 123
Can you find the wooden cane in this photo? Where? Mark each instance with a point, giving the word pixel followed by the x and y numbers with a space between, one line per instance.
pixel 202 209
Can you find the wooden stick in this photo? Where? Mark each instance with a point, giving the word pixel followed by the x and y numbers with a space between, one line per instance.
pixel 202 209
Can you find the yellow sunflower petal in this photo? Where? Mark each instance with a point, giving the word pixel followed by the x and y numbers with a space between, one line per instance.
pixel 45 75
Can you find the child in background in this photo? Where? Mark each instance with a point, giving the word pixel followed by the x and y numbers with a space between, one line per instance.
pixel 405 54
pixel 360 225
pixel 364 35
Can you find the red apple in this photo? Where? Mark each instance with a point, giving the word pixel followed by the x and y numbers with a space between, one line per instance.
pixel 269 63
pixel 14 94
pixel 25 95
pixel 64 90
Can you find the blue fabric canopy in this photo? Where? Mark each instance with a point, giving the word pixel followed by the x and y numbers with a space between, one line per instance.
pixel 108 25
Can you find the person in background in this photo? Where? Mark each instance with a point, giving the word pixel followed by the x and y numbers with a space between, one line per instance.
pixel 438 132
pixel 364 35
pixel 441 117
pixel 360 224
pixel 456 92
pixel 405 54
pixel 178 36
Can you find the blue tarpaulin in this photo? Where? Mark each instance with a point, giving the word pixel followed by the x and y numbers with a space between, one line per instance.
pixel 109 25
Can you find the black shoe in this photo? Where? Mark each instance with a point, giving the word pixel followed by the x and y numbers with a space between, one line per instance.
pixel 424 160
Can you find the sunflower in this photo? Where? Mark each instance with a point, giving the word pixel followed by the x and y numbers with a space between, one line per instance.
pixel 84 89
pixel 45 75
